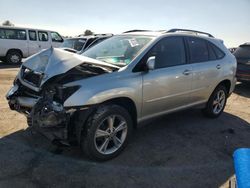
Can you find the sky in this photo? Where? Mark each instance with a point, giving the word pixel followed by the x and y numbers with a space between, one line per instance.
pixel 228 20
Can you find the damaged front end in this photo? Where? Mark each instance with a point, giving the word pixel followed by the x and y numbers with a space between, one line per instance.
pixel 39 90
pixel 44 110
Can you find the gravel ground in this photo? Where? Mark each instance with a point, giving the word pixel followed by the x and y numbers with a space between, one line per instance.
pixel 183 149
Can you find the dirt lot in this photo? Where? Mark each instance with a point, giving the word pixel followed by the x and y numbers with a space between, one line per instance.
pixel 183 149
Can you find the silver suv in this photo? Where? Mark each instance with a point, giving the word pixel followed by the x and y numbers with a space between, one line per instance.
pixel 97 98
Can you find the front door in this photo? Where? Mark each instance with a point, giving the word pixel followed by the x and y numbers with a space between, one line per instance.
pixel 168 86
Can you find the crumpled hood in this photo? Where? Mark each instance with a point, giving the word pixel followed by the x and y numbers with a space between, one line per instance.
pixel 55 61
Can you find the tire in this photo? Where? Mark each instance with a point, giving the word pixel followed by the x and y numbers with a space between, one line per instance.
pixel 214 100
pixel 14 57
pixel 105 144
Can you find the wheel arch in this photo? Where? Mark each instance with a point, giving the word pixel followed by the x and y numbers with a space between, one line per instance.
pixel 227 84
pixel 126 103
pixel 82 116
pixel 15 49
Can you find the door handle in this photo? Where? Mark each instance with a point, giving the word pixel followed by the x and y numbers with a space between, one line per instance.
pixel 218 66
pixel 186 72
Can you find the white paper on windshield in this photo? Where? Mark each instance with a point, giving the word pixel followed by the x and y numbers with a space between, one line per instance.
pixel 133 42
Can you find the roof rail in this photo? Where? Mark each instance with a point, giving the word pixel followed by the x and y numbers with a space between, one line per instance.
pixel 189 30
pixel 136 30
pixel 96 35
pixel 103 34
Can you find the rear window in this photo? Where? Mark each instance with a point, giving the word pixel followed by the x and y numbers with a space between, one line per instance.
pixel 76 44
pixel 242 52
pixel 219 53
pixel 214 50
pixel 16 34
pixel 198 50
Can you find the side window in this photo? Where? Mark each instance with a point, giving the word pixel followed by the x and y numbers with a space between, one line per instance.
pixel 15 34
pixel 56 37
pixel 96 42
pixel 198 50
pixel 169 52
pixel 2 34
pixel 43 36
pixel 89 41
pixel 32 35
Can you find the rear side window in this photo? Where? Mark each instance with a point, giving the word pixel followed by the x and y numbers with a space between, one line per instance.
pixel 219 53
pixel 169 52
pixel 198 50
pixel 32 35
pixel 56 37
pixel 43 36
pixel 16 34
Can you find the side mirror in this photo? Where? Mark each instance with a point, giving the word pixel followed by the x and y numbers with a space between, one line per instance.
pixel 151 63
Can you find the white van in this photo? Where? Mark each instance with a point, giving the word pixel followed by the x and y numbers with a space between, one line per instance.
pixel 17 43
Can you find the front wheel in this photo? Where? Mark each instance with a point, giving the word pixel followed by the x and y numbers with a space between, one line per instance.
pixel 107 132
pixel 216 102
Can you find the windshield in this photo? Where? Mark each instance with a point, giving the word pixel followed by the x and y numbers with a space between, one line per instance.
pixel 76 44
pixel 118 50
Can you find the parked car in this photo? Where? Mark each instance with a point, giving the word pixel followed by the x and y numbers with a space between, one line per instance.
pixel 82 43
pixel 242 54
pixel 97 98
pixel 17 43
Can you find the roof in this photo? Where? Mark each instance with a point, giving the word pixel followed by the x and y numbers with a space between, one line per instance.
pixel 14 27
pixel 245 44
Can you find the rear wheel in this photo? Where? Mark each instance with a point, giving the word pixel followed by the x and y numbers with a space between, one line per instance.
pixel 14 57
pixel 107 134
pixel 216 102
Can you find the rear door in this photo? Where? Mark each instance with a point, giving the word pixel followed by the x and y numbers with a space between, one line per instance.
pixel 33 42
pixel 207 67
pixel 168 86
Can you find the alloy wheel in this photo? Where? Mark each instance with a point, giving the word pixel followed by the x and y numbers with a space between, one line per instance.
pixel 110 134
pixel 219 101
